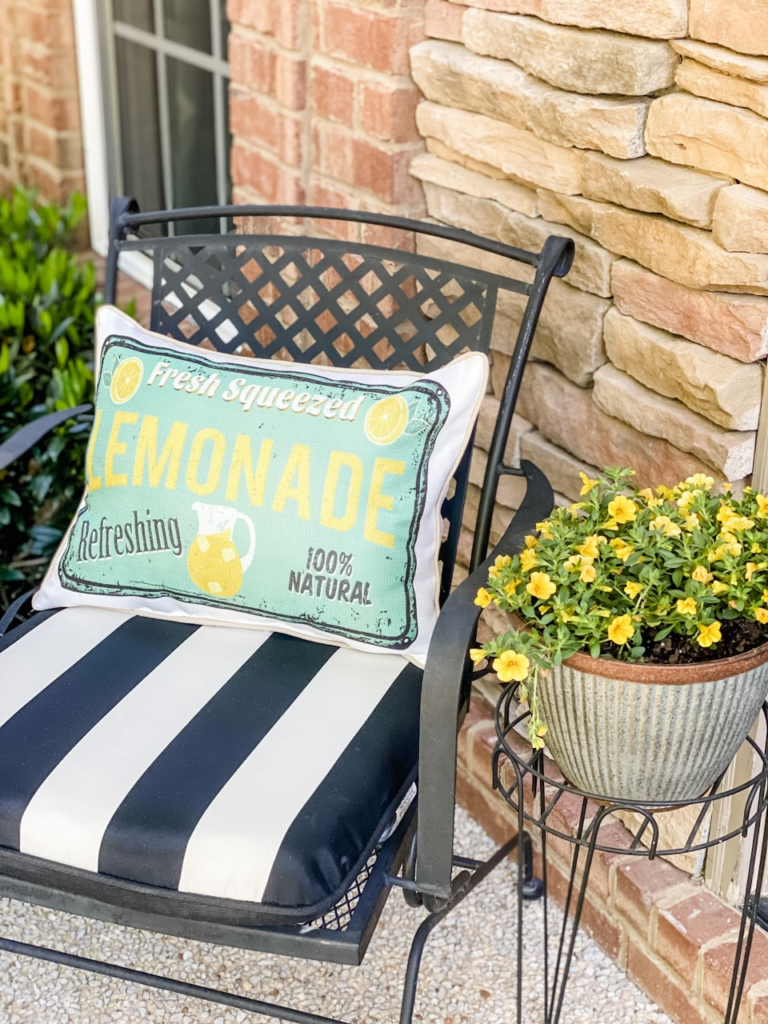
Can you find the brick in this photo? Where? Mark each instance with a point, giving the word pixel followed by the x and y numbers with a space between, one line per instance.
pixel 252 64
pixel 682 930
pixel 254 169
pixel 255 119
pixel 718 969
pixel 443 20
pixel 332 154
pixel 639 886
pixel 54 69
pixel 290 18
pixel 291 81
pixel 53 109
pixel 256 14
pixel 383 172
pixel 388 111
pixel 369 37
pixel 333 95
pixel 495 816
pixel 54 28
pixel 671 994
pixel 479 711
pixel 760 1010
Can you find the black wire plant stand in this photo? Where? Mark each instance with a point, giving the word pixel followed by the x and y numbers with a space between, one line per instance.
pixel 594 809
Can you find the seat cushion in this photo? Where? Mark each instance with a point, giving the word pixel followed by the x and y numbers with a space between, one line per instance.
pixel 228 763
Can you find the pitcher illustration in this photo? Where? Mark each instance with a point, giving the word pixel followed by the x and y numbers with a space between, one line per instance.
pixel 213 561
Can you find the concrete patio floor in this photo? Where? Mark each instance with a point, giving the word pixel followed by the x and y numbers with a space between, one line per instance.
pixel 467 977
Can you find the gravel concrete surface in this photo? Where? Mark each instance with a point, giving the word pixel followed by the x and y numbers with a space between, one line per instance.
pixel 467 975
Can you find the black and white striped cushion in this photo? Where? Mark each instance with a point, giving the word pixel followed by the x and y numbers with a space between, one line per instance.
pixel 229 763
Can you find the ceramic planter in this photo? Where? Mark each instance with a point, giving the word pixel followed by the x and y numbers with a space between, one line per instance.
pixel 650 732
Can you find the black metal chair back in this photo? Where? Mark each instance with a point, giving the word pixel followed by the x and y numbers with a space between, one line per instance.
pixel 322 300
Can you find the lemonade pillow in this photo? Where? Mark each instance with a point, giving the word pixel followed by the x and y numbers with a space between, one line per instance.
pixel 248 492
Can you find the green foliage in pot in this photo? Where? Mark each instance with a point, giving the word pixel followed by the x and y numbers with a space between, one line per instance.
pixel 47 304
pixel 671 576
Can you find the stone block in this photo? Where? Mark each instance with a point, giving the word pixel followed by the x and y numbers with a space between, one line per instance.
pixel 658 19
pixel 714 85
pixel 721 389
pixel 741 26
pixel 730 452
pixel 594 61
pixel 711 136
pixel 569 417
pixel 678 251
pixel 451 75
pixel 511 489
pixel 486 424
pixel 653 186
pixel 591 268
pixel 559 466
pixel 519 153
pixel 741 219
pixel 736 325
pixel 437 171
pixel 721 59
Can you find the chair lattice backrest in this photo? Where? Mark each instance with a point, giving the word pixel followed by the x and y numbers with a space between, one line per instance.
pixel 318 300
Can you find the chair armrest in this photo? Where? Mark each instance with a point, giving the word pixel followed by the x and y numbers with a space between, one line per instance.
pixel 29 435
pixel 444 675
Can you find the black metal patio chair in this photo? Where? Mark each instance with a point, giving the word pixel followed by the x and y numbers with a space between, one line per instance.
pixel 345 303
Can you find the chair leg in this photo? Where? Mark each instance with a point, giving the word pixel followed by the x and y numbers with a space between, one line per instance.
pixel 466 883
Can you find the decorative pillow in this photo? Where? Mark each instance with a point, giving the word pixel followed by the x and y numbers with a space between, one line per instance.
pixel 251 492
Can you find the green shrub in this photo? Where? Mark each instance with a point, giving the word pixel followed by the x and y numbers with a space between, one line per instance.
pixel 47 303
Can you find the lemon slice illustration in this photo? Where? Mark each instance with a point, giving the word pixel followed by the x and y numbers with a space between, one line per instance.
pixel 126 380
pixel 386 420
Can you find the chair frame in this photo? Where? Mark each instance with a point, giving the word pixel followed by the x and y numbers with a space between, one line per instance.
pixel 428 872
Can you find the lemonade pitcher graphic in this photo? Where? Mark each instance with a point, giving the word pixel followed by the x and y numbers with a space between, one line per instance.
pixel 213 561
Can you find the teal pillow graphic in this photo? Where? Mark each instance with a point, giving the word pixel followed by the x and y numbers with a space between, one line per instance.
pixel 252 492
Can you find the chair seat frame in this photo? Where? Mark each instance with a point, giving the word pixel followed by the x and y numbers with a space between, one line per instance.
pixel 419 856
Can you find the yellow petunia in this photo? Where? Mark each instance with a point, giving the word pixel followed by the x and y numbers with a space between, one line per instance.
pixel 664 492
pixel 692 522
pixel 531 541
pixel 588 573
pixel 609 524
pixel 686 606
pixel 686 498
pixel 576 507
pixel 632 589
pixel 502 561
pixel 528 559
pixel 622 509
pixel 476 655
pixel 541 586
pixel 621 549
pixel 720 588
pixel 511 666
pixel 765 595
pixel 727 487
pixel 739 523
pixel 587 484
pixel 483 598
pixel 709 635
pixel 544 530
pixel 752 567
pixel 701 480
pixel 511 587
pixel 646 494
pixel 761 615
pixel 566 614
pixel 665 524
pixel 755 549
pixel 621 629
pixel 591 546
pixel 762 505
pixel 701 574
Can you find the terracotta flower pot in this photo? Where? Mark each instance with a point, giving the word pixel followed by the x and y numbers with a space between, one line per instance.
pixel 650 732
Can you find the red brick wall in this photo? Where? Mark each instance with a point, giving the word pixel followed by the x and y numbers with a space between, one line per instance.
pixel 40 134
pixel 322 103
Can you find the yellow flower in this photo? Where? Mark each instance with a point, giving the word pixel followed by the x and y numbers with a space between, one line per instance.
pixel 610 524
pixel 541 585
pixel 755 549
pixel 528 559
pixel 709 635
pixel 726 487
pixel 483 598
pixel 701 574
pixel 765 595
pixel 762 505
pixel 621 629
pixel 588 573
pixel 591 546
pixel 544 530
pixel 761 615
pixel 646 494
pixel 622 509
pixel 700 480
pixel 720 588
pixel 531 541
pixel 665 524
pixel 686 606
pixel 739 523
pixel 511 587
pixel 575 507
pixel 664 492
pixel 566 614
pixel 510 665
pixel 621 549
pixel 692 522
pixel 477 654
pixel 587 484
pixel 724 513
pixel 502 561
pixel 632 589
pixel 752 567
pixel 685 499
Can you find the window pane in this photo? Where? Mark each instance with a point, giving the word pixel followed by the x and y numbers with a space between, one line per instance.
pixel 139 124
pixel 189 22
pixel 190 103
pixel 224 29
pixel 138 13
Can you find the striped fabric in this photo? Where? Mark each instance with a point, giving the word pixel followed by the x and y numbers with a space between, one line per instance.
pixel 227 763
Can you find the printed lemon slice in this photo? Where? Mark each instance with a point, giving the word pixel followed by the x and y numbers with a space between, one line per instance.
pixel 126 380
pixel 386 420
